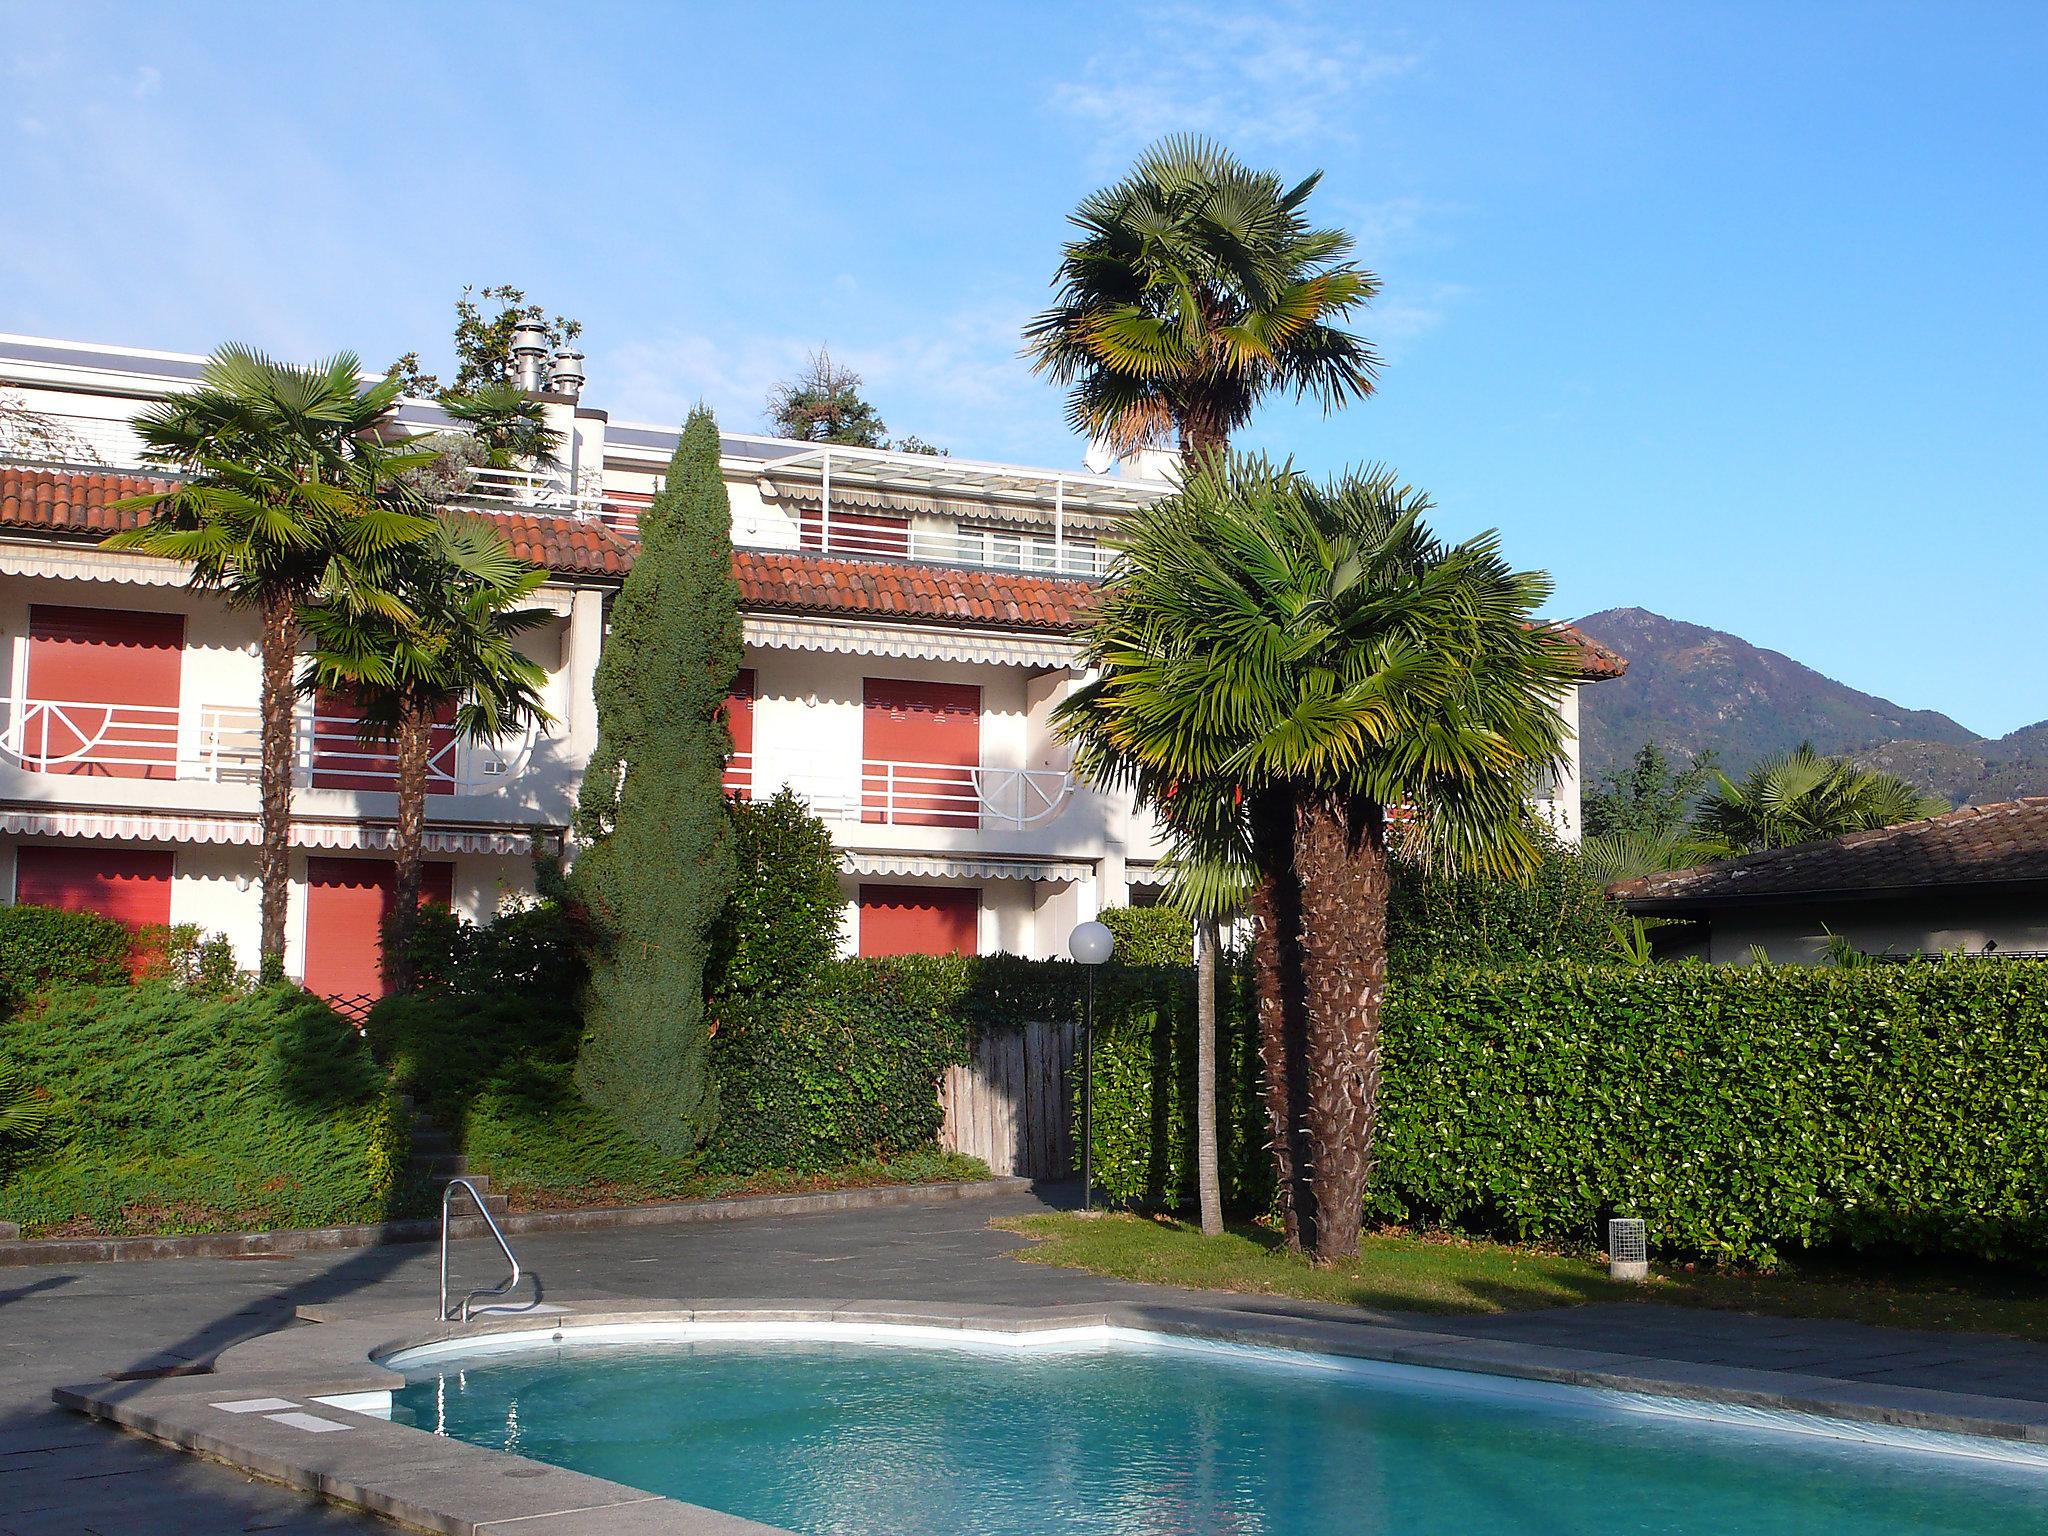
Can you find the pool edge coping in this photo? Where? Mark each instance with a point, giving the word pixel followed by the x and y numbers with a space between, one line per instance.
pixel 305 1365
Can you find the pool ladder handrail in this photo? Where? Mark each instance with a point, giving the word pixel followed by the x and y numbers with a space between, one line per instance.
pixel 511 1283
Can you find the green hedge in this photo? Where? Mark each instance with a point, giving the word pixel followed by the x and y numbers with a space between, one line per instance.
pixel 1744 1112
pixel 844 1067
pixel 46 947
pixel 174 1112
pixel 1150 935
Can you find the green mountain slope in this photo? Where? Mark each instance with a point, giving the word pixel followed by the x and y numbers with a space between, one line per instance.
pixel 1693 688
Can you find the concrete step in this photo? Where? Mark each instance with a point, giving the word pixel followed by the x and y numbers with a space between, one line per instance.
pixel 442 1165
pixel 480 1181
pixel 424 1140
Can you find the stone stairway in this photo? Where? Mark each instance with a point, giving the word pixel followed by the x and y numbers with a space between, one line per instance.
pixel 435 1158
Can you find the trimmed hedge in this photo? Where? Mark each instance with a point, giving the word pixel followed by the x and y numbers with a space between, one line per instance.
pixel 1150 935
pixel 842 1068
pixel 1560 912
pixel 1744 1112
pixel 174 1112
pixel 48 947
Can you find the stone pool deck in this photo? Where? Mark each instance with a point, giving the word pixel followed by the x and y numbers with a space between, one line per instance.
pixel 60 1472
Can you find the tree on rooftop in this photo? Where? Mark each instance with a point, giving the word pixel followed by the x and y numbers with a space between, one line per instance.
pixel 657 862
pixel 1283 664
pixel 483 342
pixel 455 651
pixel 1197 288
pixel 290 493
pixel 823 404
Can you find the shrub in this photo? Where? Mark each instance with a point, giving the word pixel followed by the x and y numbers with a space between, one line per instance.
pixel 1744 1112
pixel 172 1112
pixel 1150 935
pixel 657 864
pixel 47 947
pixel 782 922
pixel 1436 920
pixel 844 1067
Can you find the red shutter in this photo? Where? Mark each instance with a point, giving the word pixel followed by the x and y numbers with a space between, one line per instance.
pixel 342 759
pixel 920 744
pixel 855 533
pixel 739 715
pixel 114 675
pixel 919 920
pixel 347 901
pixel 130 885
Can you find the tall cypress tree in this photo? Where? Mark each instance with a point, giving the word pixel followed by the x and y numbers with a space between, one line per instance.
pixel 657 863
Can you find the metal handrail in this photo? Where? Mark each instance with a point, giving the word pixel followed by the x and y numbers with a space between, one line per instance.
pixel 510 1285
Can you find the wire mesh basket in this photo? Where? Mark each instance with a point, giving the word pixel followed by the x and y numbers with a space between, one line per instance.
pixel 1628 1248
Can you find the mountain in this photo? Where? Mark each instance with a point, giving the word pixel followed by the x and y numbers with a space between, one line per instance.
pixel 1693 688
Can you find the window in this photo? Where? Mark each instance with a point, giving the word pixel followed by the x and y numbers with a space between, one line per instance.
pixel 739 715
pixel 130 885
pixel 921 745
pixel 347 901
pixel 919 920
pixel 102 692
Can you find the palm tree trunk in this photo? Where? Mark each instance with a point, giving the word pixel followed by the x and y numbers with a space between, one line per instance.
pixel 415 739
pixel 273 858
pixel 1283 1048
pixel 1340 858
pixel 1206 1176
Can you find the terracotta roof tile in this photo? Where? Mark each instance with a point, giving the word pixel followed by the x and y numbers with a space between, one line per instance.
pixel 1977 846
pixel 792 581
pixel 771 581
pixel 63 501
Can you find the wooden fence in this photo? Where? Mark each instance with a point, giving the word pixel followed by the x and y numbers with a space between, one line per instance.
pixel 1012 1106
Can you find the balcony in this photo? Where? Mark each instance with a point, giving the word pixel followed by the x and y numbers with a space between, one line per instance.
pixel 884 792
pixel 221 744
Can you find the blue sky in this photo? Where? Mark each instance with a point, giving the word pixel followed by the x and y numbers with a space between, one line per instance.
pixel 1738 313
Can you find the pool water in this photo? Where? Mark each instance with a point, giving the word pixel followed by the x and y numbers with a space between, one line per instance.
pixel 872 1439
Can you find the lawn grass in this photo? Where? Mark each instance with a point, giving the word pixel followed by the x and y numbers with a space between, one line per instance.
pixel 1409 1273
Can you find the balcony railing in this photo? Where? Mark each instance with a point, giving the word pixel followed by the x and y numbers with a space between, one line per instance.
pixel 887 792
pixel 223 744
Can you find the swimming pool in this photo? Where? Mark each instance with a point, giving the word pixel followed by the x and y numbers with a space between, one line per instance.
pixel 903 1432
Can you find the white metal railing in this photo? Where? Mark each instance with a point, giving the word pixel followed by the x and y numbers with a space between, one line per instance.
pixel 223 744
pixel 889 792
pixel 522 490
pixel 1043 551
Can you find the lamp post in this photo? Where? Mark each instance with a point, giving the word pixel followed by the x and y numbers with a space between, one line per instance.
pixel 1091 944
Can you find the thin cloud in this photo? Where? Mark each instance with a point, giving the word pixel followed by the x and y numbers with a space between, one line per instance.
pixel 1258 81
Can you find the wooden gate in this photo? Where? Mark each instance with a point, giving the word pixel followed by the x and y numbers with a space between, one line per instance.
pixel 1012 1105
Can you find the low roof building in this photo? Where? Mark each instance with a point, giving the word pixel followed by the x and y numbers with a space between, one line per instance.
pixel 1974 880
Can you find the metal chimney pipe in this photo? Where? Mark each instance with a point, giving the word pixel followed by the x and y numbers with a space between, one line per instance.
pixel 529 353
pixel 568 374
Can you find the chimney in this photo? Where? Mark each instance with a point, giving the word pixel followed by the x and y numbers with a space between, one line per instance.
pixel 568 375
pixel 529 354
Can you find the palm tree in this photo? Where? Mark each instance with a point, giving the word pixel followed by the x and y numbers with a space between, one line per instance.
pixel 289 493
pixel 1197 288
pixel 1612 856
pixel 1801 796
pixel 456 648
pixel 509 425
pixel 1292 667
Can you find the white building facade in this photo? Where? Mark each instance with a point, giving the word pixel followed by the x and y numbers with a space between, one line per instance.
pixel 909 622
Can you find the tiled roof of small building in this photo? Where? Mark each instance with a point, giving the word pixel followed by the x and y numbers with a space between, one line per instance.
pixel 1980 845
pixel 771 581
